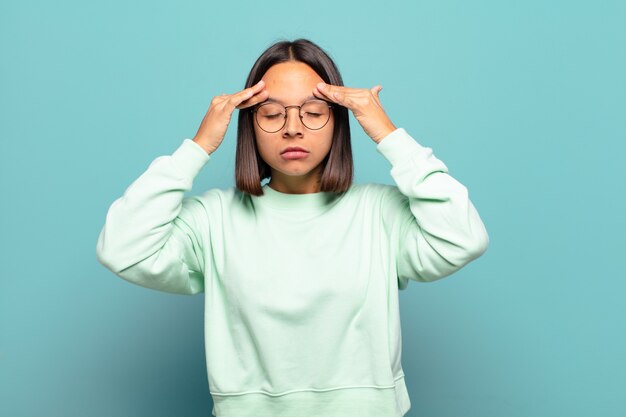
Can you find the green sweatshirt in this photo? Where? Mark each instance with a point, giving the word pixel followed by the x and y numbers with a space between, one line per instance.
pixel 301 290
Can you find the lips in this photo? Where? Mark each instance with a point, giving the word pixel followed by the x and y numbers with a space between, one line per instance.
pixel 294 149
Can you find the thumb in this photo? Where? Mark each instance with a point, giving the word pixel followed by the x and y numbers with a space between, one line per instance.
pixel 376 90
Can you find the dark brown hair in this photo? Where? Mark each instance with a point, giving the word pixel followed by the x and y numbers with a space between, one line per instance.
pixel 337 166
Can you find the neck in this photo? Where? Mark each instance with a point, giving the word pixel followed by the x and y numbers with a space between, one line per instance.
pixel 295 184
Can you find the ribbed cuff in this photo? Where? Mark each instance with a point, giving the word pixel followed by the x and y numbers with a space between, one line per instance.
pixel 398 146
pixel 190 158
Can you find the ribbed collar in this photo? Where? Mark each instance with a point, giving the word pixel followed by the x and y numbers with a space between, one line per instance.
pixel 313 201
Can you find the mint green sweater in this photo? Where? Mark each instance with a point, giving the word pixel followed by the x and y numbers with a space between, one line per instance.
pixel 301 290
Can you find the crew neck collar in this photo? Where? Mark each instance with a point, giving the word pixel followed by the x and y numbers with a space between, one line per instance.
pixel 281 200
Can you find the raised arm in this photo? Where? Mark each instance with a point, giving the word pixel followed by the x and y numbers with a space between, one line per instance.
pixel 437 227
pixel 152 235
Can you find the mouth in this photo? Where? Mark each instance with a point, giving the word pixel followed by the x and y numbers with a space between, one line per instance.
pixel 293 149
pixel 294 152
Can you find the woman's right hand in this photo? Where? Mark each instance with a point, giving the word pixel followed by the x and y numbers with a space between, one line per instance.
pixel 215 122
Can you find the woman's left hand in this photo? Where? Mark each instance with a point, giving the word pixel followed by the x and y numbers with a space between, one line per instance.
pixel 365 106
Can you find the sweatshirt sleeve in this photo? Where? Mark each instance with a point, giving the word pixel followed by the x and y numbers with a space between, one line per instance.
pixel 437 228
pixel 152 235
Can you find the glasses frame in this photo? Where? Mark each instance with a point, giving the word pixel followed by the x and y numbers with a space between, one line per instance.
pixel 254 113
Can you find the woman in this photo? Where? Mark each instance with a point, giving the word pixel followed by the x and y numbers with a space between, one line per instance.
pixel 301 274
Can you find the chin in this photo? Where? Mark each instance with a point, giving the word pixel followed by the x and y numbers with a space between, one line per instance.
pixel 298 173
pixel 295 172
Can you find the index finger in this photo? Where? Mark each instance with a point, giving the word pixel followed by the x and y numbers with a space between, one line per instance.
pixel 246 93
pixel 329 90
pixel 257 97
pixel 333 88
pixel 250 91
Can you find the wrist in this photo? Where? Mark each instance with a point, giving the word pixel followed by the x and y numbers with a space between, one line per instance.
pixel 389 129
pixel 207 150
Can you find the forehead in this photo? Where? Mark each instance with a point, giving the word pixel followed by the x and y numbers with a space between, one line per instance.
pixel 290 81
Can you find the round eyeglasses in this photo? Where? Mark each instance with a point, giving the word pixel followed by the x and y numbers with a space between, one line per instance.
pixel 272 117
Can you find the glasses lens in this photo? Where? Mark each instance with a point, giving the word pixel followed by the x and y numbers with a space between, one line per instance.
pixel 315 114
pixel 271 117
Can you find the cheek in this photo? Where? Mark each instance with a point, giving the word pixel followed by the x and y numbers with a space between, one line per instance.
pixel 263 146
pixel 329 135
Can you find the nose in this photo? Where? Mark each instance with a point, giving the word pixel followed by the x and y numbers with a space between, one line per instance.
pixel 293 125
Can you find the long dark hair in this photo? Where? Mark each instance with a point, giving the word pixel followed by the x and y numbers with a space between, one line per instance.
pixel 337 166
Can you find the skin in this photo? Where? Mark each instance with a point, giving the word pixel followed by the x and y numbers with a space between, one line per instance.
pixel 291 83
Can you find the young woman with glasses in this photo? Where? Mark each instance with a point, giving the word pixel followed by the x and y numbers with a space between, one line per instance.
pixel 300 274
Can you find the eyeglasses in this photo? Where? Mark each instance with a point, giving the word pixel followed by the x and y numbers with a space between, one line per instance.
pixel 272 117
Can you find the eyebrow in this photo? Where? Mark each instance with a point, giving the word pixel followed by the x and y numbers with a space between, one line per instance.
pixel 273 100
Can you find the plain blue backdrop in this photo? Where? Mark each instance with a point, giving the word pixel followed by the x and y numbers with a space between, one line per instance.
pixel 523 100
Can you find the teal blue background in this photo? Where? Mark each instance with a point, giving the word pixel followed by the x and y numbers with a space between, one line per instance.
pixel 523 100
